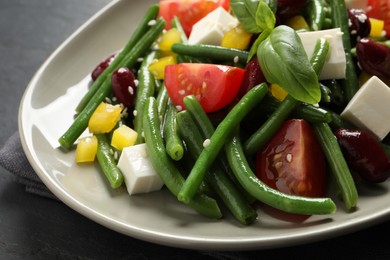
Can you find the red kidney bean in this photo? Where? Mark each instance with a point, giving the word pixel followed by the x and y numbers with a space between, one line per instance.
pixel 373 57
pixel 252 77
pixel 359 24
pixel 102 66
pixel 364 154
pixel 124 86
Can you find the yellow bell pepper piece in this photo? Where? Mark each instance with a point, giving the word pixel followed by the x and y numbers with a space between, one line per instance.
pixel 169 38
pixel 236 38
pixel 298 22
pixel 104 118
pixel 157 67
pixel 278 92
pixel 86 149
pixel 377 28
pixel 123 137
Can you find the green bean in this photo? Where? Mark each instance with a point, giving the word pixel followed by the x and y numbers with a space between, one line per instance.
pixel 212 52
pixel 81 121
pixel 315 13
pixel 217 140
pixel 337 164
pixel 340 20
pixel 258 139
pixel 164 165
pixel 162 102
pixel 173 143
pixel 146 88
pixel 207 129
pixel 307 112
pixel 140 30
pixel 267 195
pixel 325 94
pixel 107 162
pixel 225 189
pixel 320 52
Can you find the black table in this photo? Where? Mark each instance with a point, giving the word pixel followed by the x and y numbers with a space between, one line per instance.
pixel 33 227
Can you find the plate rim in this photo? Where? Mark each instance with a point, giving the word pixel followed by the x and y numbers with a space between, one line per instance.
pixel 152 236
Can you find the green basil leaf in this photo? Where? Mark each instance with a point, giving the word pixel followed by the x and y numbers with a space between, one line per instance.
pixel 265 18
pixel 245 11
pixel 283 61
pixel 255 45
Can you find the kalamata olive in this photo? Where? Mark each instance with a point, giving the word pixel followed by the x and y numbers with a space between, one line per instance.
pixel 102 66
pixel 359 24
pixel 124 86
pixel 252 77
pixel 373 57
pixel 364 154
pixel 287 9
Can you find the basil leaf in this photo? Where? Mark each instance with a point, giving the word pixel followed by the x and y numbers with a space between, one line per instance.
pixel 255 45
pixel 265 18
pixel 245 11
pixel 283 61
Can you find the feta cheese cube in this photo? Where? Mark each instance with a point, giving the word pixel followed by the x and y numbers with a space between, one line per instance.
pixel 335 66
pixel 138 172
pixel 211 28
pixel 369 109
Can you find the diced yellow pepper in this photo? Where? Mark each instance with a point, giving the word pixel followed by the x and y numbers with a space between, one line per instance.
pixel 123 137
pixel 157 67
pixel 86 149
pixel 376 28
pixel 298 22
pixel 168 39
pixel 277 91
pixel 104 118
pixel 237 38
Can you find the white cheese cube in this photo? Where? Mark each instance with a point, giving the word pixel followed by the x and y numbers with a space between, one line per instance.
pixel 138 172
pixel 335 66
pixel 369 108
pixel 211 28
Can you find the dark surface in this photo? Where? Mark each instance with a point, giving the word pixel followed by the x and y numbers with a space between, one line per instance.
pixel 32 227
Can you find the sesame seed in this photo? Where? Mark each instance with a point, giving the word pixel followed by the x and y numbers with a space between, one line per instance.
pixel 108 100
pixel 206 143
pixel 134 112
pixel 236 59
pixel 152 22
pixel 179 108
pixel 141 59
pixel 136 82
pixel 182 92
pixel 131 90
pixel 116 155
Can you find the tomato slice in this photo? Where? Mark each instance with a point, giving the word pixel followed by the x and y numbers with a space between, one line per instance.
pixel 293 162
pixel 188 11
pixel 380 9
pixel 215 86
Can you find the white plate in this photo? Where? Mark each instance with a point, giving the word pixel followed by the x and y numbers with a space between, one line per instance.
pixel 46 111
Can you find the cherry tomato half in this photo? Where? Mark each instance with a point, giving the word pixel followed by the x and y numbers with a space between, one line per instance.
pixel 215 86
pixel 293 162
pixel 188 11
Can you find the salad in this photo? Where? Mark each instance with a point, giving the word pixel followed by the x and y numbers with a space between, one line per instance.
pixel 230 103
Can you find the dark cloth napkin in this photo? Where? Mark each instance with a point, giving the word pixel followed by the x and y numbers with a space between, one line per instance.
pixel 13 159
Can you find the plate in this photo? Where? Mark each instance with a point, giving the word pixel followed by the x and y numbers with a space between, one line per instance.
pixel 46 111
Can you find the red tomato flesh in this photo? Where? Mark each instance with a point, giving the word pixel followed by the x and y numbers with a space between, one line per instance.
pixel 380 9
pixel 293 162
pixel 188 11
pixel 215 86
